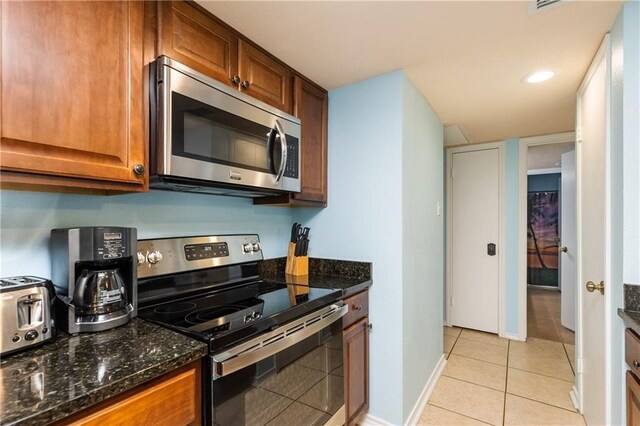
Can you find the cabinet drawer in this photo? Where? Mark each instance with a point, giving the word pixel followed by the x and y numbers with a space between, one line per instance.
pixel 632 350
pixel 358 308
pixel 173 399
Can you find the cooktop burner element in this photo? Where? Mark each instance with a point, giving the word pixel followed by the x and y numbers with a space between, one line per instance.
pixel 175 308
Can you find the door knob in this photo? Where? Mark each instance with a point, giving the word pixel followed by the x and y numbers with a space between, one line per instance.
pixel 591 287
pixel 562 249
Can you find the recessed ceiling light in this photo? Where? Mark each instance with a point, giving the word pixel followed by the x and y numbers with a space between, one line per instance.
pixel 538 76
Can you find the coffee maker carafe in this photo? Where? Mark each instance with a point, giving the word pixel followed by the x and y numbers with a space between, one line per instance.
pixel 95 276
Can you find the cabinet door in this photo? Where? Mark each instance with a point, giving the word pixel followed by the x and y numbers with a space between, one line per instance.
pixel 633 400
pixel 173 399
pixel 72 91
pixel 310 106
pixel 356 370
pixel 264 78
pixel 194 38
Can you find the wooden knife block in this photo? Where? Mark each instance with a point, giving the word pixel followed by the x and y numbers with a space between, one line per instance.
pixel 296 265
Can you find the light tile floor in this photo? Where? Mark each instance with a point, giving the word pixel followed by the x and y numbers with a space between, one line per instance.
pixel 490 380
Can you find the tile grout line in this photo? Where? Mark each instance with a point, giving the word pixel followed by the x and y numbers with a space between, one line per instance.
pixel 545 403
pixel 472 383
pixel 460 414
pixel 476 359
pixel 506 382
pixel 569 359
pixel 544 375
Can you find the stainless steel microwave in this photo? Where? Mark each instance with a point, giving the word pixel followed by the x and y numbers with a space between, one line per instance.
pixel 210 138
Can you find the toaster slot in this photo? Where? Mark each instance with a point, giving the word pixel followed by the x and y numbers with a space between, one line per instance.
pixel 29 311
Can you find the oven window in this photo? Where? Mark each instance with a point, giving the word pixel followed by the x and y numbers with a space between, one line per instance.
pixel 302 384
pixel 206 133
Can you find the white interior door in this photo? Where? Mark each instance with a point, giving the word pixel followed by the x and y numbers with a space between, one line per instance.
pixel 592 134
pixel 568 240
pixel 475 221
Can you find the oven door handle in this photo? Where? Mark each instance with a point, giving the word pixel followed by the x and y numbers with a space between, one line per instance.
pixel 283 337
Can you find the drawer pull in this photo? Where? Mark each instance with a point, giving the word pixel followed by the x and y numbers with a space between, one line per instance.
pixel 357 307
pixel 636 364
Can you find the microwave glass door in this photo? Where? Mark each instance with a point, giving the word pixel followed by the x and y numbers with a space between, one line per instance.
pixel 206 133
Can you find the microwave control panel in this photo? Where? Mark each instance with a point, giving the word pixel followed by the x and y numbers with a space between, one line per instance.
pixel 293 154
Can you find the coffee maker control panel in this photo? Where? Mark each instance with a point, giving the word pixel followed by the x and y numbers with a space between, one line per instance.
pixel 110 245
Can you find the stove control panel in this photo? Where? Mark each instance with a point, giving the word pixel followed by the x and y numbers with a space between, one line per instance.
pixel 205 251
pixel 173 255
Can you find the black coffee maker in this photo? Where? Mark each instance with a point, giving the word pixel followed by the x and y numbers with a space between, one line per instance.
pixel 95 276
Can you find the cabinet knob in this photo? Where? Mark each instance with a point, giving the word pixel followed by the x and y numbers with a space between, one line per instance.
pixel 357 307
pixel 138 169
pixel 370 326
pixel 245 84
pixel 636 364
pixel 235 79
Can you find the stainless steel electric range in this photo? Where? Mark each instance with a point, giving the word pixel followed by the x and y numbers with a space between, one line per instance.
pixel 275 350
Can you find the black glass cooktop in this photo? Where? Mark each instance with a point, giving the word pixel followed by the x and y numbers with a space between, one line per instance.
pixel 227 316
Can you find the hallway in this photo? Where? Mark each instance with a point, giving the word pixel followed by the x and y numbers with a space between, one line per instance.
pixel 491 380
pixel 543 316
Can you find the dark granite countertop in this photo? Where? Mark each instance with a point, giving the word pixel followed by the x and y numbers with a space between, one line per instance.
pixel 349 276
pixel 631 319
pixel 71 373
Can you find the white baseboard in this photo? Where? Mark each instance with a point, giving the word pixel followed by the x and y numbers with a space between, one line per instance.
pixel 418 408
pixel 514 337
pixel 368 420
pixel 574 398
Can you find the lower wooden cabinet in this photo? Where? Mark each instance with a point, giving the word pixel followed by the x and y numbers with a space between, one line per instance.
pixel 356 357
pixel 633 399
pixel 173 399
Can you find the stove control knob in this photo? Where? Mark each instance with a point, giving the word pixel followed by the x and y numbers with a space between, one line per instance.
pixel 256 246
pixel 154 257
pixel 141 258
pixel 31 335
pixel 247 248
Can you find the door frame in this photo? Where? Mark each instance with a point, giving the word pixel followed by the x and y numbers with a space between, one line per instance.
pixel 500 146
pixel 524 145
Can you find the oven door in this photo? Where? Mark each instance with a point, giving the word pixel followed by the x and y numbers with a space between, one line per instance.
pixel 211 134
pixel 292 375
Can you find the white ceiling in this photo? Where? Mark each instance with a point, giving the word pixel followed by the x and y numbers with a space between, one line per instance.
pixel 547 156
pixel 466 57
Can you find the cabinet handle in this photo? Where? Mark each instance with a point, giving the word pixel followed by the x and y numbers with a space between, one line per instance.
pixel 138 169
pixel 235 79
pixel 245 84
pixel 636 364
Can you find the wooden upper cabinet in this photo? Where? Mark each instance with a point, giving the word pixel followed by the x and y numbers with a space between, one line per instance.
pixel 193 37
pixel 263 77
pixel 311 105
pixel 72 107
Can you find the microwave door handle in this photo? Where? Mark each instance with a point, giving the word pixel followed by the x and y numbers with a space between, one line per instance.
pixel 283 154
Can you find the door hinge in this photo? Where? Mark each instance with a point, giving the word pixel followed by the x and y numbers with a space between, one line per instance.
pixel 452 174
pixel 579 134
pixel 451 301
pixel 579 366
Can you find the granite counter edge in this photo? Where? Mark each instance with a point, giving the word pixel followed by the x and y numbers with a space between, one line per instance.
pixel 88 400
pixel 627 317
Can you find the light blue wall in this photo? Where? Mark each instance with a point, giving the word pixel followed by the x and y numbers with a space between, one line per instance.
pixel 631 141
pixel 512 234
pixel 26 219
pixel 423 273
pixel 545 182
pixel 363 220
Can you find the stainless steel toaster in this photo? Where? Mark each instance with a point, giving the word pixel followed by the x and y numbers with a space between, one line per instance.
pixel 26 310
